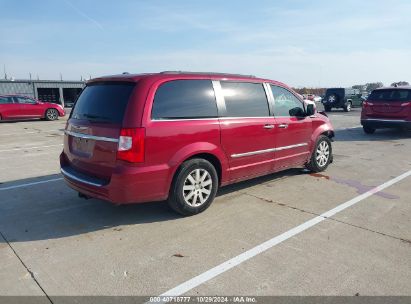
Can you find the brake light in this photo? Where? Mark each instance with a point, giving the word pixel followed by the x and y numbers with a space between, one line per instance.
pixel 131 145
pixel 366 104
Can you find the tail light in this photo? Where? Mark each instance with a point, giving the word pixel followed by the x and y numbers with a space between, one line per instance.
pixel 131 145
pixel 366 104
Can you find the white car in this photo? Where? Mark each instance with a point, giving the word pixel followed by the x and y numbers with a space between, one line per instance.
pixel 318 98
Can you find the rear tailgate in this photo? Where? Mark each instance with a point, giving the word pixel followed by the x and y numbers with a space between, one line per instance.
pixel 389 103
pixel 92 132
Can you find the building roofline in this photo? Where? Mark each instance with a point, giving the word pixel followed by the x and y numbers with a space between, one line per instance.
pixel 39 81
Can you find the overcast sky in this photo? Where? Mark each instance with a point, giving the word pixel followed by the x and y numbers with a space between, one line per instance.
pixel 301 43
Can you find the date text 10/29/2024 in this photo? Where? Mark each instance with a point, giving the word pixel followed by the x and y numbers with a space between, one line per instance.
pixel 203 299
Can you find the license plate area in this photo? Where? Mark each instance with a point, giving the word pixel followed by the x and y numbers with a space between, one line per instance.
pixel 82 146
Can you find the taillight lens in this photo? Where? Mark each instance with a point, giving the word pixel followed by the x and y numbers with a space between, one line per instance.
pixel 367 104
pixel 131 145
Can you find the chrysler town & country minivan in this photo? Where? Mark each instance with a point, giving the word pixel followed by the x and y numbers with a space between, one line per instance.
pixel 179 136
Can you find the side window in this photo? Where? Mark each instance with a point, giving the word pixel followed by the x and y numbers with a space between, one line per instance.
pixel 285 103
pixel 25 100
pixel 244 99
pixel 4 100
pixel 181 99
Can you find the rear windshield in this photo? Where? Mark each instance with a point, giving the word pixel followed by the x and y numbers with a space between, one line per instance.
pixel 103 102
pixel 338 91
pixel 390 95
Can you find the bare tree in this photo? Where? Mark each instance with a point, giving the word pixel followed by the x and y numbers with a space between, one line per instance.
pixel 400 84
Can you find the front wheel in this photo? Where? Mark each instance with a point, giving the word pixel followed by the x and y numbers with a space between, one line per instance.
pixel 51 114
pixel 348 106
pixel 322 155
pixel 194 187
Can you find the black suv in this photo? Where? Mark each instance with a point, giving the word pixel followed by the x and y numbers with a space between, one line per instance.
pixel 342 98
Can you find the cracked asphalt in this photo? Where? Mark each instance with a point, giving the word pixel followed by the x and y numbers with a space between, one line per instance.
pixel 53 243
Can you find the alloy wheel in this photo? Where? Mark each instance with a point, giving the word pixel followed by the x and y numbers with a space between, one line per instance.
pixel 197 187
pixel 52 114
pixel 322 153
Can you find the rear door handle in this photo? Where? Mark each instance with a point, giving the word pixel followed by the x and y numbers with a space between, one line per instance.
pixel 283 126
pixel 268 127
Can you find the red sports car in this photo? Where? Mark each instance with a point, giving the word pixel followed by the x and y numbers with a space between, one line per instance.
pixel 23 107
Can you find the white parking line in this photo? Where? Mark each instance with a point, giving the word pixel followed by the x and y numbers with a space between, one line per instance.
pixel 31 184
pixel 225 266
pixel 32 132
pixel 29 148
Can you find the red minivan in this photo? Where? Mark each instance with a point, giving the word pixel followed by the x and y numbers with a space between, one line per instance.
pixel 387 108
pixel 179 136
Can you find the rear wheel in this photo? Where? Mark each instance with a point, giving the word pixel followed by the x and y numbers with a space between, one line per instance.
pixel 51 114
pixel 348 106
pixel 194 187
pixel 322 155
pixel 368 130
pixel 327 108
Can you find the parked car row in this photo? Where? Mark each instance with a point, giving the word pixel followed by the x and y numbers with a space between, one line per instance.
pixel 179 136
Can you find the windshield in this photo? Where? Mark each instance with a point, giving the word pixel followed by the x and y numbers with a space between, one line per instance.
pixel 103 102
pixel 390 95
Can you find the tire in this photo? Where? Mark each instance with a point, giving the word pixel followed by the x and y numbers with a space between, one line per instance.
pixel 347 107
pixel 333 98
pixel 51 114
pixel 327 108
pixel 320 159
pixel 190 196
pixel 368 130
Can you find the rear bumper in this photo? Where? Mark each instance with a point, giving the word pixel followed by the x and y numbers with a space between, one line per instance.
pixel 377 123
pixel 127 184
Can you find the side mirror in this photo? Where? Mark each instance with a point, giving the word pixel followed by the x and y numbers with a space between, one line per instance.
pixel 297 112
pixel 310 109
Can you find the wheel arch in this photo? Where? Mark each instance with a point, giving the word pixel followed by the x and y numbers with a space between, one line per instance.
pixel 207 151
pixel 321 130
pixel 46 109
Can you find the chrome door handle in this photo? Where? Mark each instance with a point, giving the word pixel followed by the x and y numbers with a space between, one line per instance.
pixel 283 126
pixel 268 127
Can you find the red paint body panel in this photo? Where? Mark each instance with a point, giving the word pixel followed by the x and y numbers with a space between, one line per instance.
pixel 241 135
pixel 15 110
pixel 296 131
pixel 168 143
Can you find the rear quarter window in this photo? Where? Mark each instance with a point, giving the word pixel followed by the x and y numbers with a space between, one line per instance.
pixel 185 99
pixel 103 102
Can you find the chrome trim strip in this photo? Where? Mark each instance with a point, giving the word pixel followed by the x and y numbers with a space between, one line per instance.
pixel 71 176
pixel 385 120
pixel 213 118
pixel 183 119
pixel 268 150
pixel 291 147
pixel 87 136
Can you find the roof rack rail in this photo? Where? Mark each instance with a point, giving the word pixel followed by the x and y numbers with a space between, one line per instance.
pixel 206 73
